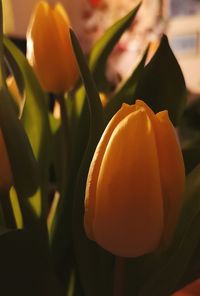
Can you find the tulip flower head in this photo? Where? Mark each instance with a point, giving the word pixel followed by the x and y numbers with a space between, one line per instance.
pixel 49 48
pixel 135 183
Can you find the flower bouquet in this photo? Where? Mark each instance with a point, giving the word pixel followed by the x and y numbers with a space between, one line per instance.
pixel 99 195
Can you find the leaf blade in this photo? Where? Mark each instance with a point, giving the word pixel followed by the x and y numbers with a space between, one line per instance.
pixel 104 46
pixel 162 85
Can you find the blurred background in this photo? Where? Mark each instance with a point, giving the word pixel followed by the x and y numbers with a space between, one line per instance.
pixel 179 19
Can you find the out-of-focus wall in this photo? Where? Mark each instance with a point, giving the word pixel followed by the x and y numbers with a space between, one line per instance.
pixel 183 30
pixel 87 20
pixel 17 14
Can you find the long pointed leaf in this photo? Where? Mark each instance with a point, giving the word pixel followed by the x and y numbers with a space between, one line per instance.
pixel 89 256
pixel 175 261
pixel 162 84
pixel 23 163
pixel 104 46
pixel 126 91
pixel 25 268
pixel 35 119
pixel 59 245
pixel 35 112
pixel 94 102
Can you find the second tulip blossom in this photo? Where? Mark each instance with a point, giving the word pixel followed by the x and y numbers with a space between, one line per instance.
pixel 49 48
pixel 135 183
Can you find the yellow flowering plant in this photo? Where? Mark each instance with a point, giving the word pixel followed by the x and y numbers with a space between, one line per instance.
pixel 95 199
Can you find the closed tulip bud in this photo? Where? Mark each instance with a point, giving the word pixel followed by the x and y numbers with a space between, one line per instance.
pixel 6 178
pixel 49 48
pixel 135 183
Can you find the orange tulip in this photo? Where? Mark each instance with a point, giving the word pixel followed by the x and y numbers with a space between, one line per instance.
pixel 135 183
pixel 49 48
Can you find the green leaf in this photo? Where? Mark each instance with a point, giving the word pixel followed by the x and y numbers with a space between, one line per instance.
pixel 189 132
pixel 162 84
pixel 174 262
pixel 54 124
pixel 191 156
pixel 79 129
pixel 125 92
pixel 87 119
pixel 62 170
pixel 2 218
pixel 191 116
pixel 7 210
pixel 15 71
pixel 104 46
pixel 97 62
pixel 94 280
pixel 96 112
pixel 94 102
pixel 25 269
pixel 35 112
pixel 191 207
pixel 23 164
pixel 60 239
pixel 35 120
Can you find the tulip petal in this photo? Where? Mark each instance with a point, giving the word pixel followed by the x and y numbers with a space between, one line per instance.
pixel 49 48
pixel 43 37
pixel 69 64
pixel 172 172
pixel 59 9
pixel 90 195
pixel 128 218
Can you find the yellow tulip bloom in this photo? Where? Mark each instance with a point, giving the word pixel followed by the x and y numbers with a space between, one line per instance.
pixel 49 48
pixel 135 183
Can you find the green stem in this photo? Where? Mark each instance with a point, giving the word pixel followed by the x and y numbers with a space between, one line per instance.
pixel 64 171
pixel 7 210
pixel 29 219
pixel 65 153
pixel 118 287
pixel 61 223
